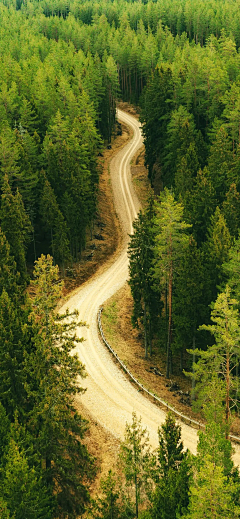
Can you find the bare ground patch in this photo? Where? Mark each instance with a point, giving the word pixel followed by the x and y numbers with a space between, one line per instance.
pixel 129 345
pixel 105 238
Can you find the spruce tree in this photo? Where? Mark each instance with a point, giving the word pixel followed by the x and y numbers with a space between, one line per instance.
pixel 170 497
pixel 188 299
pixel 16 226
pixel 141 255
pixel 9 277
pixel 55 224
pixel 216 251
pixel 113 504
pixel 22 488
pixel 13 346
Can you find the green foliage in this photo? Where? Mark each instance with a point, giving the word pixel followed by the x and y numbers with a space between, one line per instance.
pixel 170 242
pixel 22 488
pixel 4 510
pixel 141 256
pixel 220 358
pixel 54 423
pixel 55 224
pixel 155 115
pixel 170 497
pixel 113 504
pixel 15 225
pixel 137 460
pixel 4 431
pixel 212 494
pixel 188 300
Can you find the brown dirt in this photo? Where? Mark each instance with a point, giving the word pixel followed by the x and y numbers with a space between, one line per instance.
pixel 106 224
pixel 103 446
pixel 129 345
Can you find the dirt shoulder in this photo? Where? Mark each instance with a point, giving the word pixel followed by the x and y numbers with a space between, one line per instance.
pixel 105 238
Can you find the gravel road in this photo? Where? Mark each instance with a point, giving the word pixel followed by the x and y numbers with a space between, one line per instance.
pixel 110 397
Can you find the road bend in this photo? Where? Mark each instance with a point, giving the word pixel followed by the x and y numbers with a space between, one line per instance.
pixel 110 396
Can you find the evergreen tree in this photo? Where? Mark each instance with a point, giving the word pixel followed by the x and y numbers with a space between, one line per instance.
pixel 212 494
pixel 141 255
pixel 9 278
pixel 220 358
pixel 113 504
pixel 181 135
pixel 231 210
pixel 22 488
pixel 4 512
pixel 232 270
pixel 54 423
pixel 188 298
pixel 137 460
pixel 216 250
pixel 213 443
pixel 4 432
pixel 170 498
pixel 220 163
pixel 16 226
pixel 171 239
pixel 199 204
pixel 54 222
pixel 156 103
pixel 14 343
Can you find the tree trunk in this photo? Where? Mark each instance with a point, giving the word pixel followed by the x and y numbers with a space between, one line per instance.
pixel 237 376
pixel 145 329
pixel 194 360
pixel 169 322
pixel 181 360
pixel 136 493
pixel 150 337
pixel 227 394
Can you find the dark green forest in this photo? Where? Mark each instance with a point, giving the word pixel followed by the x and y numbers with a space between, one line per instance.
pixel 63 67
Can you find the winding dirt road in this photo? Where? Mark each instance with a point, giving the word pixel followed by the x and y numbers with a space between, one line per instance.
pixel 110 397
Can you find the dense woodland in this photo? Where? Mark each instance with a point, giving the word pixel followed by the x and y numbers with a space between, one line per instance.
pixel 63 66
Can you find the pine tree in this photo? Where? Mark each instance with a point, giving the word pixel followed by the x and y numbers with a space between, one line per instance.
pixel 199 205
pixel 232 270
pixel 136 459
pixel 171 239
pixel 181 135
pixel 156 102
pixel 220 358
pixel 213 443
pixel 4 432
pixel 212 495
pixel 54 423
pixel 231 210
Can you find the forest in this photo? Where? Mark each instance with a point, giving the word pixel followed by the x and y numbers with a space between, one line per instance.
pixel 63 67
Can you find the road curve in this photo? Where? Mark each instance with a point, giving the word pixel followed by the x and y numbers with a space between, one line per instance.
pixel 110 397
